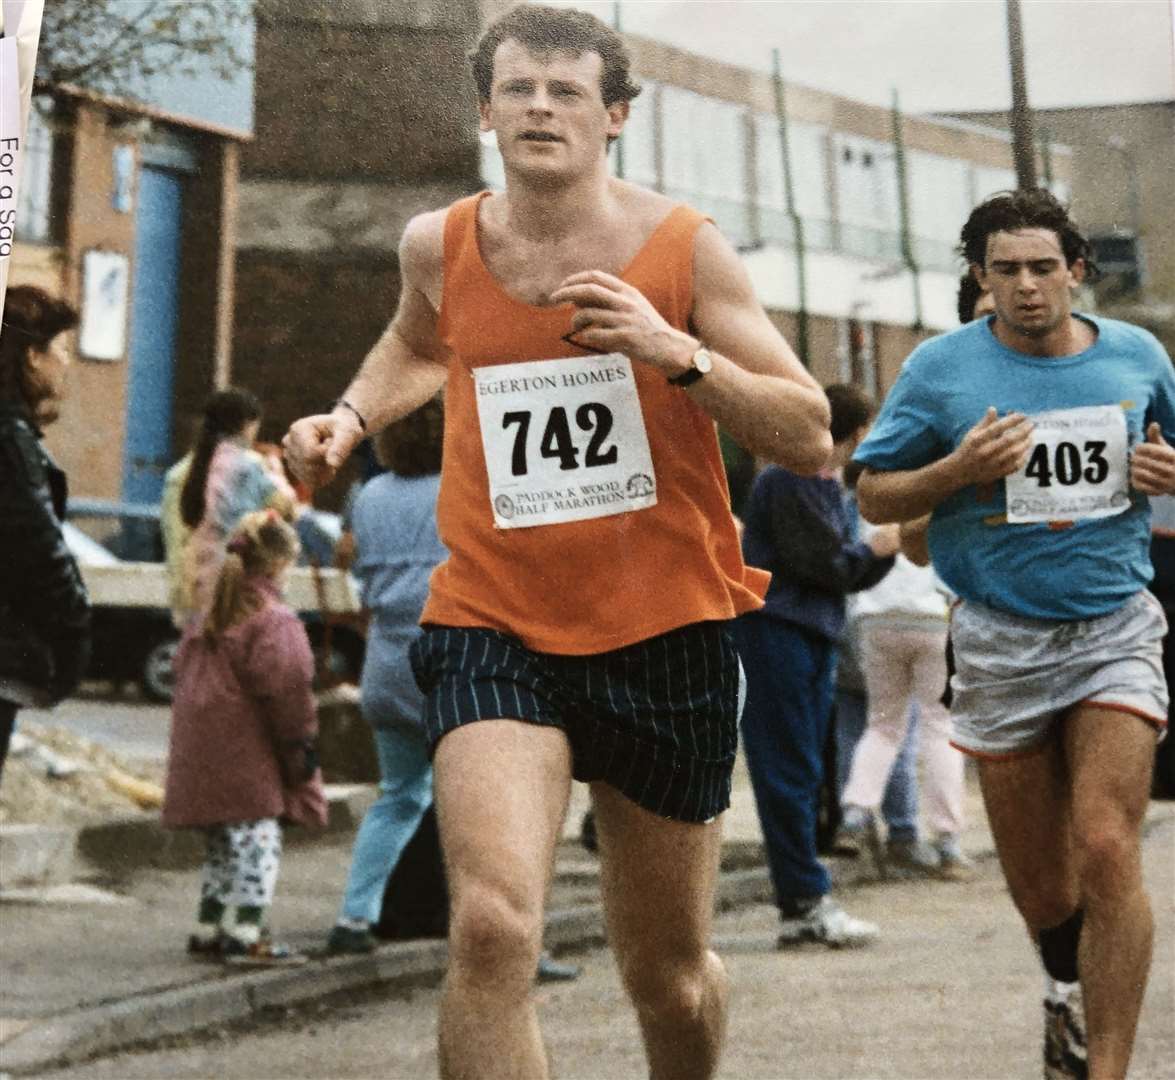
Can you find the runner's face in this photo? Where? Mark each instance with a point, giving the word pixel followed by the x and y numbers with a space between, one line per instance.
pixel 1028 281
pixel 548 110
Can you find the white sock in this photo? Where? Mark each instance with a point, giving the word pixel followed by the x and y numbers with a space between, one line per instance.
pixel 246 932
pixel 1056 991
pixel 352 924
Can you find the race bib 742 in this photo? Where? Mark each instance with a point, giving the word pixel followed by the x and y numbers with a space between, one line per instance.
pixel 564 440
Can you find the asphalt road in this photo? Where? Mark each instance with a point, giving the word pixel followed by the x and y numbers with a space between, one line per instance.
pixel 123 723
pixel 951 991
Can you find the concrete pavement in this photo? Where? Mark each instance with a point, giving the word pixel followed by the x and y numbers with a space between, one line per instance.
pixel 97 971
pixel 950 990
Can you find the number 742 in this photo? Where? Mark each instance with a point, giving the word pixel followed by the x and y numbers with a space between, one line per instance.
pixel 556 440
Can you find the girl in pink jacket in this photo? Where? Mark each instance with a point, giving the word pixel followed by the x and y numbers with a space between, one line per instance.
pixel 243 753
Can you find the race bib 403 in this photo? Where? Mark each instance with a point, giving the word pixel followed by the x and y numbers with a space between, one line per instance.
pixel 1078 467
pixel 564 440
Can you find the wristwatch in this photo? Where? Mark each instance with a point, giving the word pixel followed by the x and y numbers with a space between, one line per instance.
pixel 700 364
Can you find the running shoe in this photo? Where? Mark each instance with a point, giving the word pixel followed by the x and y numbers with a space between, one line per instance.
pixel 1064 1036
pixel 826 924
pixel 910 857
pixel 551 970
pixel 955 866
pixel 859 828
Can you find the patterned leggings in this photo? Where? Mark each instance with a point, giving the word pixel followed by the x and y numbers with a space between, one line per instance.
pixel 240 869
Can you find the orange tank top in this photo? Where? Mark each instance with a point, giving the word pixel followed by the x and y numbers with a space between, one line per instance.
pixel 587 584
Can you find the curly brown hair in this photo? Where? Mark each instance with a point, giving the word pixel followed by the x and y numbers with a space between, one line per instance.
pixel 542 29
pixel 32 319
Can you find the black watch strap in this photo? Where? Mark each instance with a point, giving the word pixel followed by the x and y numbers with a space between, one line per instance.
pixel 345 404
pixel 687 378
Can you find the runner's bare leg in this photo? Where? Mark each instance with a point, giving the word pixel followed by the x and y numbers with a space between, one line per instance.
pixel 658 878
pixel 1110 756
pixel 501 791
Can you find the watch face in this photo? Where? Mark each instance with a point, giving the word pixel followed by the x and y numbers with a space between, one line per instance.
pixel 703 361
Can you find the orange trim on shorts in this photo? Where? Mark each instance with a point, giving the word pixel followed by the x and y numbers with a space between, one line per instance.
pixel 1011 755
pixel 1113 706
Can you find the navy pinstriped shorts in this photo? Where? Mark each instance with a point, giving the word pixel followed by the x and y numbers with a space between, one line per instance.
pixel 657 720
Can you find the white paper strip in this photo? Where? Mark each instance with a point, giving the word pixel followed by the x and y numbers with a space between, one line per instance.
pixel 18 59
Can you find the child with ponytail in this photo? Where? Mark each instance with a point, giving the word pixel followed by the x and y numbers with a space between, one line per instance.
pixel 243 754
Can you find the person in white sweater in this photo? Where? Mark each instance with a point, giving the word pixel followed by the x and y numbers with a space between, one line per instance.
pixel 903 635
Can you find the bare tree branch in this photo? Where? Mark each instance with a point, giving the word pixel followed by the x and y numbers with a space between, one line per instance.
pixel 112 45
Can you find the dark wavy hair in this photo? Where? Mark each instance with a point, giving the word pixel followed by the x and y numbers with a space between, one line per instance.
pixel 32 319
pixel 851 409
pixel 542 29
pixel 226 412
pixel 968 297
pixel 413 446
pixel 1034 208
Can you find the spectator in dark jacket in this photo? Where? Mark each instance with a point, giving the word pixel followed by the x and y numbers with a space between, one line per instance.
pixel 799 528
pixel 44 612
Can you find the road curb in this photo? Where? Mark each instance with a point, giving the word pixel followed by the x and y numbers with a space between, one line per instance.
pixel 232 997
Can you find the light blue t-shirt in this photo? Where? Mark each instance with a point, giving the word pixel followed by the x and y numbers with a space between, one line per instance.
pixel 1037 569
pixel 394 520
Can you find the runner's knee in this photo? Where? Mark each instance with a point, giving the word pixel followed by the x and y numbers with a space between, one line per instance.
pixel 1108 853
pixel 673 990
pixel 492 933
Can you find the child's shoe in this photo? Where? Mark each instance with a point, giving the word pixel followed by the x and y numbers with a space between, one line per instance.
pixel 205 946
pixel 349 940
pixel 261 953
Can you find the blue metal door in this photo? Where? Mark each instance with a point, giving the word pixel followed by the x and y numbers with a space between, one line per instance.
pixel 154 322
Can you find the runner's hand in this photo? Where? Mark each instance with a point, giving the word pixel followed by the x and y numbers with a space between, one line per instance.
pixel 316 446
pixel 1152 464
pixel 994 448
pixel 884 541
pixel 615 317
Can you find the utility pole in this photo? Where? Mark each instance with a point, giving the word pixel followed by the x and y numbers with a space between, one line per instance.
pixel 619 142
pixel 1020 118
pixel 904 224
pixel 793 213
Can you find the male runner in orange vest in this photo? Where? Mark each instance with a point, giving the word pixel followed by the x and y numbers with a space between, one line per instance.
pixel 589 333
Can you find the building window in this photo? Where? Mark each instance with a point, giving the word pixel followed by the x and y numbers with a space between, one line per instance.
pixel 986 181
pixel 807 145
pixel 1119 261
pixel 705 158
pixel 867 188
pixel 856 349
pixel 34 220
pixel 638 141
pixel 940 202
pixel 493 173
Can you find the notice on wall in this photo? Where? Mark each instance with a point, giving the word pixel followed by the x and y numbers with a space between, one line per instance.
pixel 105 292
pixel 21 30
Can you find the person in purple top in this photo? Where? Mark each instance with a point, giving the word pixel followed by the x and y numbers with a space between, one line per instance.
pixel 800 529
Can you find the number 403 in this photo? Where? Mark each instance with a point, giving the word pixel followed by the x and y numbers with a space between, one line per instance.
pixel 1068 464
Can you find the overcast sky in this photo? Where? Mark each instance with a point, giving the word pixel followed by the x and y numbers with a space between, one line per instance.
pixel 940 54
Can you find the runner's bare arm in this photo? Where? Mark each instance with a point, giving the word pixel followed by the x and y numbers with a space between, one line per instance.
pixel 991 450
pixel 757 389
pixel 913 540
pixel 402 371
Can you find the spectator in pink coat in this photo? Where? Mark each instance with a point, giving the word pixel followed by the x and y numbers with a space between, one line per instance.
pixel 243 753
